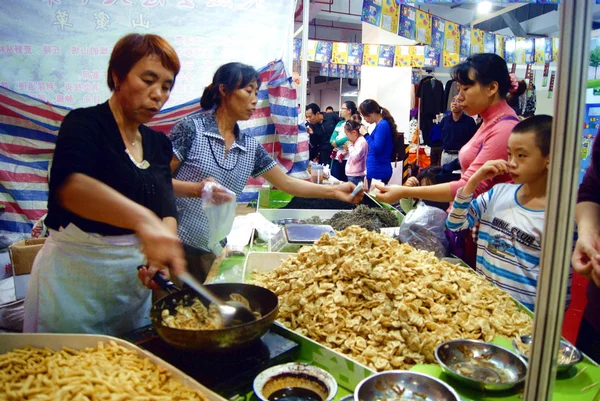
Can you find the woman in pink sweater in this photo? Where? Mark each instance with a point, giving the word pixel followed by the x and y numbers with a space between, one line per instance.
pixel 484 83
pixel 356 167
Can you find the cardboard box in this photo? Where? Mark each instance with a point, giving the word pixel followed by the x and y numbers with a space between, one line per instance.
pixel 23 253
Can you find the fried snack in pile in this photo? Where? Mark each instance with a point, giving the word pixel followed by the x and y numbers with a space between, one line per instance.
pixel 107 372
pixel 384 304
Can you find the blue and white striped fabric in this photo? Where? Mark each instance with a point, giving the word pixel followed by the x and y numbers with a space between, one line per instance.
pixel 509 243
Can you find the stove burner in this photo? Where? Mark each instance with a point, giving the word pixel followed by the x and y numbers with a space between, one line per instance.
pixel 227 374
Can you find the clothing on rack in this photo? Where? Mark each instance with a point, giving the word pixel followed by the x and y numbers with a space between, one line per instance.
pixel 527 103
pixel 432 102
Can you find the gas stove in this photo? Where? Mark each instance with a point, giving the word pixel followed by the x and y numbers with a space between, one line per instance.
pixel 227 373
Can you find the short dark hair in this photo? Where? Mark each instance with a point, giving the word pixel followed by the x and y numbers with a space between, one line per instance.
pixel 313 107
pixel 541 126
pixel 429 174
pixel 487 68
pixel 329 108
pixel 132 48
pixel 232 76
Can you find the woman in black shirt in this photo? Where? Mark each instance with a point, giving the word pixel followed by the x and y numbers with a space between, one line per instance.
pixel 111 205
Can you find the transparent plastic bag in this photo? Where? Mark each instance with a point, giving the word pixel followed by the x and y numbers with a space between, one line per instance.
pixel 220 216
pixel 425 228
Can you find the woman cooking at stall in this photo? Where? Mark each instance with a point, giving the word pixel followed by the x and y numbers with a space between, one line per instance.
pixel 110 191
pixel 210 144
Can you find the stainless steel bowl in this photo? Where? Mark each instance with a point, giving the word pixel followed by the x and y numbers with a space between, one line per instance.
pixel 566 348
pixel 412 385
pixel 481 365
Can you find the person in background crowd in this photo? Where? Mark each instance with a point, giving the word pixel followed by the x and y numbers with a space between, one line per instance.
pixel 110 203
pixel 339 156
pixel 357 152
pixel 513 99
pixel 586 257
pixel 457 129
pixel 381 141
pixel 320 127
pixel 363 130
pixel 210 146
pixel 484 83
pixel 511 215
pixel 329 109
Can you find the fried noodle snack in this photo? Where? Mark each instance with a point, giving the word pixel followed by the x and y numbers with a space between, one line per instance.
pixel 384 304
pixel 107 372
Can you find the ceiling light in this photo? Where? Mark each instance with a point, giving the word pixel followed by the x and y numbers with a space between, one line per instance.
pixel 484 7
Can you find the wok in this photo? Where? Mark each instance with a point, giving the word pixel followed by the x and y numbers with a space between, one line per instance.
pixel 261 300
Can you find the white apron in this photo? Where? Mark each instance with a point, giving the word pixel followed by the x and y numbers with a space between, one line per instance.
pixel 82 283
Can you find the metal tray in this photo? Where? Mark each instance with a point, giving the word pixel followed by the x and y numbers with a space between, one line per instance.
pixel 10 341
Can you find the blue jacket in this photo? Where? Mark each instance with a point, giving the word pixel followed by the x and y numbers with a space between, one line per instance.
pixel 381 150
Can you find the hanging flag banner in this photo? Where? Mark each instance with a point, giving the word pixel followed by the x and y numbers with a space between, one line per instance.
pixel 531 78
pixel 402 56
pixel 528 72
pixel 423 33
pixel 418 56
pixel 339 54
pixel 529 50
pixel 432 56
pixel 408 22
pixel 323 53
pixel 540 49
pixel 510 49
pixel 324 70
pixel 438 27
pixel 371 12
pixel 452 37
pixel 500 45
pixel 513 68
pixel 465 41
pixel 386 56
pixel 357 69
pixel 355 53
pixel 520 51
pixel 371 55
pixel 498 2
pixel 390 15
pixel 450 59
pixel 555 43
pixel 548 56
pixel 350 72
pixel 297 50
pixel 334 70
pixel 489 42
pixel 545 76
pixel 476 41
pixel 312 50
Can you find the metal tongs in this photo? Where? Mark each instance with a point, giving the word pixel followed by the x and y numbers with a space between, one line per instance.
pixel 233 313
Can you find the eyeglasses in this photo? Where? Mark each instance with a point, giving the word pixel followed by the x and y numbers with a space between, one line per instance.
pixel 344 108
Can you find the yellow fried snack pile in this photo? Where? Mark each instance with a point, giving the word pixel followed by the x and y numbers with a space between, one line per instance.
pixel 107 372
pixel 385 304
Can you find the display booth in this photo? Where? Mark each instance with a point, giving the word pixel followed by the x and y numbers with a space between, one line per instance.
pixel 370 302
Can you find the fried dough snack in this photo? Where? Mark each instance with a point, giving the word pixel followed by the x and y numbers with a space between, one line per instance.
pixel 384 304
pixel 108 372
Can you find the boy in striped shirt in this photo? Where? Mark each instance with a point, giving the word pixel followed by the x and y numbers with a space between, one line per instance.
pixel 510 216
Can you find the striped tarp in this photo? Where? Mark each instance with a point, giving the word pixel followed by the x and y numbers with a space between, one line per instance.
pixel 28 129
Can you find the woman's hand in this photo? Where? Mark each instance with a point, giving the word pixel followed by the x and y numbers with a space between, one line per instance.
pixel 219 192
pixel 161 246
pixel 389 194
pixel 146 273
pixel 586 257
pixel 343 192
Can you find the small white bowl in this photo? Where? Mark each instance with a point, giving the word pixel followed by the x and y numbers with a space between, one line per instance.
pixel 298 375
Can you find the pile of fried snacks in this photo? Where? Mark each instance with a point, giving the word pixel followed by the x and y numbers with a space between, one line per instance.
pixel 107 372
pixel 385 304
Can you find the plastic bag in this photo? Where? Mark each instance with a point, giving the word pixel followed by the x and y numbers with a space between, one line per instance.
pixel 220 216
pixel 425 228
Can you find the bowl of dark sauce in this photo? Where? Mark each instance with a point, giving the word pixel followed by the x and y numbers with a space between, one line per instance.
pixel 295 382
